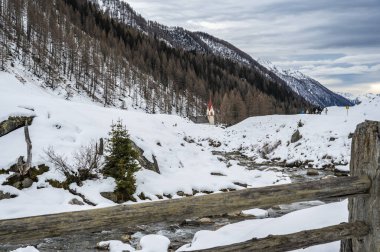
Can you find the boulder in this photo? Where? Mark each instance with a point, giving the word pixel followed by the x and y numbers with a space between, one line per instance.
pixel 214 143
pixel 180 193
pixel 14 123
pixel 205 221
pixel 190 222
pixel 234 214
pixel 296 136
pixel 143 161
pixel 110 195
pixel 26 183
pixel 77 202
pixel 6 195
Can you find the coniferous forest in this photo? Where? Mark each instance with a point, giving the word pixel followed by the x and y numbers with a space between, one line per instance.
pixel 75 46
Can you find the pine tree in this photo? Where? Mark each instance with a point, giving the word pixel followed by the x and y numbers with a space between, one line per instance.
pixel 121 161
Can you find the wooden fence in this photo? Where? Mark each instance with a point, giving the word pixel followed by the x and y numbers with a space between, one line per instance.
pixel 362 233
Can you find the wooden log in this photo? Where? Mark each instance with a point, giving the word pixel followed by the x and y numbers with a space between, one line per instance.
pixel 277 243
pixel 122 216
pixel 365 160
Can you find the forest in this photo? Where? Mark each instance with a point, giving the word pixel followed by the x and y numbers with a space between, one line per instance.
pixel 76 46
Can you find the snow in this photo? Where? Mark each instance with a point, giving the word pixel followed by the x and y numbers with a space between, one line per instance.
pixel 306 219
pixel 184 156
pixel 154 243
pixel 325 138
pixel 259 213
pixel 116 246
pixel 26 249
pixel 67 125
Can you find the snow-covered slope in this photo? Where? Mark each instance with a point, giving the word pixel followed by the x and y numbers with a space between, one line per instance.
pixel 325 138
pixel 307 87
pixel 224 49
pixel 183 149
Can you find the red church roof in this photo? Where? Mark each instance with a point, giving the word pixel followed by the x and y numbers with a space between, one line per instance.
pixel 209 106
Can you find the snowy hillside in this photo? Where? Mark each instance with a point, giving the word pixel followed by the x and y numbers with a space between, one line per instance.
pixel 185 165
pixel 325 140
pixel 224 49
pixel 184 152
pixel 308 88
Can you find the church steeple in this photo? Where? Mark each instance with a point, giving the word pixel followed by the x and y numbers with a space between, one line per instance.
pixel 210 112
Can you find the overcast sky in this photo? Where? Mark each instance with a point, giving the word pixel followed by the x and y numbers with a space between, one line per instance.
pixel 336 42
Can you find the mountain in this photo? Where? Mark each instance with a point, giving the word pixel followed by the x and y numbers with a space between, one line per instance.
pixel 304 86
pixel 308 88
pixel 104 50
pixel 355 99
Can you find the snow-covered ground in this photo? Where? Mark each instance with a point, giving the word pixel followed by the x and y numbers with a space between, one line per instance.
pixel 325 138
pixel 67 125
pixel 183 153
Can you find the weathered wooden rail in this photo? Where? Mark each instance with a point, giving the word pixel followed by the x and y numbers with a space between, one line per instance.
pixel 31 228
pixel 277 243
pixel 362 188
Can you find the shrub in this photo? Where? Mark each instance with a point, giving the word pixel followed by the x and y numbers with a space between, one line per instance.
pixel 86 163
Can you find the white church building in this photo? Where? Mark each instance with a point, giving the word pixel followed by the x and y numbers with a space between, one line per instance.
pixel 210 113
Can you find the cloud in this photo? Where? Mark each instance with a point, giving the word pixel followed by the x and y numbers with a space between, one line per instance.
pixel 359 88
pixel 330 40
pixel 219 25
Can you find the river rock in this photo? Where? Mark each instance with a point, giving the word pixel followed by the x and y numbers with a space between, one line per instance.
pixel 234 214
pixel 312 172
pixel 189 222
pixel 205 221
pixel 126 238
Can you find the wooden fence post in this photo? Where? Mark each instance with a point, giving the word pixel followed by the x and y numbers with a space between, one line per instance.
pixel 365 160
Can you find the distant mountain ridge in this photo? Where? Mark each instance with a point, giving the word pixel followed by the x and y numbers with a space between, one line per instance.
pixel 304 86
pixel 309 88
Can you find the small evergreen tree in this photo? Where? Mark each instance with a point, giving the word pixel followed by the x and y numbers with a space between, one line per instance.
pixel 121 161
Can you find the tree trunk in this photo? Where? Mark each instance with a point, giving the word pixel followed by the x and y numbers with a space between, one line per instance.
pixel 28 163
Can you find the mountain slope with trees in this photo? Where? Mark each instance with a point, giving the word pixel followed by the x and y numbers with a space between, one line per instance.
pixel 177 37
pixel 76 46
